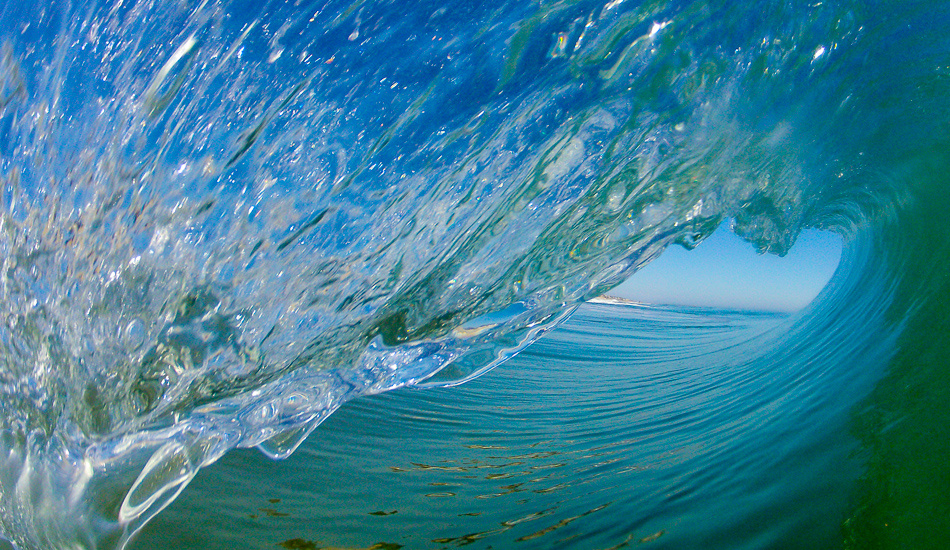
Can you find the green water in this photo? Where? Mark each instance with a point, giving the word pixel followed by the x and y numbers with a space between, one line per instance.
pixel 684 428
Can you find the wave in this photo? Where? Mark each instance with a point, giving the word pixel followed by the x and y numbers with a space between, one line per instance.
pixel 626 424
pixel 222 221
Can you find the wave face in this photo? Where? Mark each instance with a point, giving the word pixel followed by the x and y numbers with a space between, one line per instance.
pixel 221 221
pixel 681 427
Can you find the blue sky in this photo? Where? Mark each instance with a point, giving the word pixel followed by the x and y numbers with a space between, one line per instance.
pixel 725 271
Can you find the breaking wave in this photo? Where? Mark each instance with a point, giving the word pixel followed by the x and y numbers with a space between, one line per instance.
pixel 222 220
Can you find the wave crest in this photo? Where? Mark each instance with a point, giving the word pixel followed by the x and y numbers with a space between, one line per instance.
pixel 221 223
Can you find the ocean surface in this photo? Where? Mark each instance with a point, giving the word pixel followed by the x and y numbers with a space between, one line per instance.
pixel 222 221
pixel 684 428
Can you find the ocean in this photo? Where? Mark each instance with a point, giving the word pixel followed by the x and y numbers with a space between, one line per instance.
pixel 313 274
pixel 684 428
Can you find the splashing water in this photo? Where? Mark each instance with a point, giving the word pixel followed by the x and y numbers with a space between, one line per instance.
pixel 222 220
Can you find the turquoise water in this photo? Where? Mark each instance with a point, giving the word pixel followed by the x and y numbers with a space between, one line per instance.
pixel 698 430
pixel 221 221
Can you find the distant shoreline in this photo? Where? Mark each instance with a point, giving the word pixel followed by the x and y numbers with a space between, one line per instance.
pixel 618 301
pixel 615 300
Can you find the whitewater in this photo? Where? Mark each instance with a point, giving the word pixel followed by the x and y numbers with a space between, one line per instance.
pixel 221 220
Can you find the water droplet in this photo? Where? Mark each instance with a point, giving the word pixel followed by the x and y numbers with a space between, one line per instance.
pixel 135 334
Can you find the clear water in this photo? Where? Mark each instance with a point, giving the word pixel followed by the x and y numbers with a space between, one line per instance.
pixel 221 221
pixel 696 432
